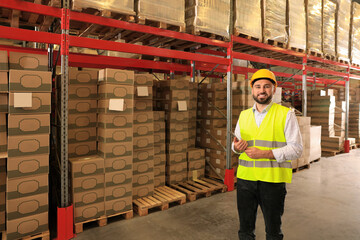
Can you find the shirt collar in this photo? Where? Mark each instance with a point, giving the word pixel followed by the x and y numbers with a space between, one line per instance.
pixel 265 109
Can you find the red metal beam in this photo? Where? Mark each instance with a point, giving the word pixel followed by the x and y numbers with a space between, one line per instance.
pixel 31 7
pixel 29 35
pixel 318 59
pixel 22 49
pixel 213 52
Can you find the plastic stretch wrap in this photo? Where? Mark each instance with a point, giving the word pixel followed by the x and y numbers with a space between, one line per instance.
pixel 329 17
pixel 248 18
pixel 118 6
pixel 355 33
pixel 297 24
pixel 211 16
pixel 166 11
pixel 274 17
pixel 343 29
pixel 314 25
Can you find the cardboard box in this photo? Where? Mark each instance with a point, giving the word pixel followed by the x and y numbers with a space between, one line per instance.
pixel 116 106
pixel 143 179
pixel 118 164
pixel 159 116
pixel 86 166
pixel 175 84
pixel 84 91
pixel 173 106
pixel 176 127
pixel 159 170
pixel 24 187
pixel 160 160
pixel 4 82
pixel 143 117
pixel 81 135
pixel 159 127
pixel 4 62
pixel 177 117
pixel 27 206
pixel 143 92
pixel 175 95
pixel 115 121
pixel 118 206
pixel 176 168
pixel 82 106
pixel 159 137
pixel 220 104
pixel 177 137
pixel 27 166
pixel 159 149
pixel 143 105
pixel 195 154
pixel 82 149
pixel 176 178
pixel 28 124
pixel 116 76
pixel 196 174
pixel 89 197
pixel 107 91
pixel 315 143
pixel 27 226
pixel 175 158
pixel 3 103
pixel 76 121
pixel 118 178
pixel 145 79
pixel 2 221
pixel 196 165
pixel 116 149
pixel 82 77
pixel 176 148
pixel 111 135
pixel 3 135
pixel 143 155
pixel 28 145
pixel 143 167
pixel 89 212
pixel 143 191
pixel 29 81
pixel 142 130
pixel 143 142
pixel 88 183
pixel 116 192
pixel 40 103
pixel 207 87
pixel 27 61
pixel 159 181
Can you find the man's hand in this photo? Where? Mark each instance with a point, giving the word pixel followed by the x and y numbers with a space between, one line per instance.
pixel 256 153
pixel 240 145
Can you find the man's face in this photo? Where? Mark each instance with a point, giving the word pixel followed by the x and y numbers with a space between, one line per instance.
pixel 263 91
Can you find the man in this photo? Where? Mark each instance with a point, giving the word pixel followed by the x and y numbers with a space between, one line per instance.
pixel 268 138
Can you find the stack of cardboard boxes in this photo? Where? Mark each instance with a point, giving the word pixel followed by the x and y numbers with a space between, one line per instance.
pixel 354 121
pixel 29 110
pixel 304 125
pixel 143 166
pixel 159 143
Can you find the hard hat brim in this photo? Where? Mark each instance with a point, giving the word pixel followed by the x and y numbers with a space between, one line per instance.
pixel 263 78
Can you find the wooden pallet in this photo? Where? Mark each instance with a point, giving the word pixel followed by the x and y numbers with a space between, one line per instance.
pixel 106 13
pixel 237 33
pixel 38 236
pixel 314 53
pixel 195 31
pixel 330 57
pixel 160 24
pixel 275 43
pixel 195 189
pixel 344 61
pixel 307 166
pixel 162 197
pixel 316 160
pixel 329 153
pixel 296 49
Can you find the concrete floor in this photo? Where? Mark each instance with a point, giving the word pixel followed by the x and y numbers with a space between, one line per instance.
pixel 322 203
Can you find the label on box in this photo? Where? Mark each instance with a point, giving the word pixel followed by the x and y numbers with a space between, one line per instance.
pixel 22 100
pixel 142 91
pixel 182 106
pixel 116 105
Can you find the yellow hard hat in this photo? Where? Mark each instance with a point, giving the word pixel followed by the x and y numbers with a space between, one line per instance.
pixel 263 74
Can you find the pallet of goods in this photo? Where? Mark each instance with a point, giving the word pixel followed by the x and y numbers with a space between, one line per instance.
pixel 248 19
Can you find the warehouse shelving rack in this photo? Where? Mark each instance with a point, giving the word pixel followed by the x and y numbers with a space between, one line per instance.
pixel 219 58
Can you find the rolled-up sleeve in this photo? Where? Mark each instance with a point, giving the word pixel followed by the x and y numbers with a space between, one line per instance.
pixel 294 147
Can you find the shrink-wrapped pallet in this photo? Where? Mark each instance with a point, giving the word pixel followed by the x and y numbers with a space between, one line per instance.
pixel 314 25
pixel 329 17
pixel 355 33
pixel 343 29
pixel 118 6
pixel 165 11
pixel 248 18
pixel 274 20
pixel 297 24
pixel 208 16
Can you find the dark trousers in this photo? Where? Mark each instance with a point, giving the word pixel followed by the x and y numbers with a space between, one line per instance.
pixel 270 197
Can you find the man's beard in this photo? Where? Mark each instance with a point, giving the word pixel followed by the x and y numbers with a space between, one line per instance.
pixel 264 101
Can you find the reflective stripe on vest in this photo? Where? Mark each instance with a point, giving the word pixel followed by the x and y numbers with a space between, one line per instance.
pixel 264 164
pixel 263 143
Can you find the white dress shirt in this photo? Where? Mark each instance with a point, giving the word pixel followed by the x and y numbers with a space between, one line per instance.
pixel 293 148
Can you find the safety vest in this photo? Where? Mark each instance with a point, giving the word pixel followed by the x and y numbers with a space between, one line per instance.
pixel 270 135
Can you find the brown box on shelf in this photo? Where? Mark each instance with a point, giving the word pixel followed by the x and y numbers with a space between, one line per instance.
pixel 119 191
pixel 82 149
pixel 176 178
pixel 143 142
pixel 89 197
pixel 178 117
pixel 2 221
pixel 160 160
pixel 118 164
pixel 118 178
pixel 76 121
pixel 28 124
pixel 81 135
pixel 176 84
pixel 26 166
pixel 177 137
pixel 159 181
pixel 159 149
pixel 111 135
pixel 27 226
pixel 143 92
pixel 196 165
pixel 176 168
pixel 143 167
pixel 24 187
pixel 116 106
pixel 118 206
pixel 86 166
pixel 159 116
pixel 143 105
pixel 4 61
pixel 29 103
pixel 195 154
pixel 144 79
pixel 159 170
pixel 4 81
pixel 143 191
pixel 4 103
pixel 83 91
pixel 82 77
pixel 196 174
pixel 176 148
pixel 116 76
pixel 107 91
pixel 159 137
pixel 27 61
pixel 117 149
pixel 173 106
pixel 115 121
pixel 28 145
pixel 3 135
pixel 89 212
pixel 142 130
pixel 143 117
pixel 175 158
pixel 29 81
pixel 88 183
pixel 82 106
pixel 143 155
pixel 176 127
pixel 175 95
pixel 159 126
pixel 27 206
pixel 143 179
